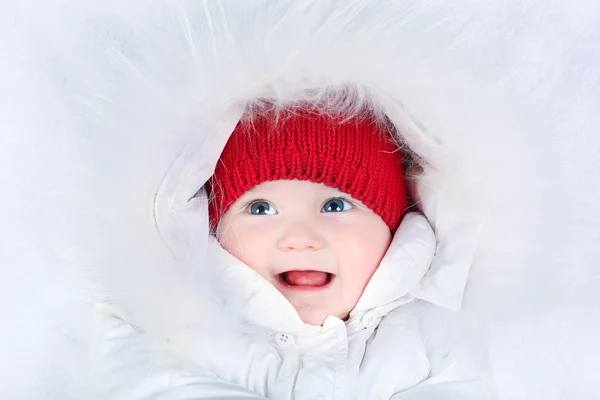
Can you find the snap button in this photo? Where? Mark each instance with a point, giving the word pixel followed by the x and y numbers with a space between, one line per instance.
pixel 285 340
pixel 369 320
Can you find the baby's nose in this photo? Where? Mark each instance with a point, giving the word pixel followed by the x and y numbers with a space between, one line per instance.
pixel 300 238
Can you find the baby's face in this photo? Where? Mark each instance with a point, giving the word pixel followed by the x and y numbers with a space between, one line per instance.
pixel 318 246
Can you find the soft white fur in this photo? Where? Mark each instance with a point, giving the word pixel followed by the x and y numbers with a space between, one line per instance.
pixel 100 100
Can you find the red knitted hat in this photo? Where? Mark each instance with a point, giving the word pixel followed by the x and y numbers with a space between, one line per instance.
pixel 354 155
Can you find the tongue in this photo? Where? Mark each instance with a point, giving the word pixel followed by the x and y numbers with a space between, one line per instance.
pixel 306 278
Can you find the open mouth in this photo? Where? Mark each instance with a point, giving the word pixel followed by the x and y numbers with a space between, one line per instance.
pixel 305 279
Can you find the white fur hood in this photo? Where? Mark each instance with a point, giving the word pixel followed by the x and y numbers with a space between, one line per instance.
pixel 113 116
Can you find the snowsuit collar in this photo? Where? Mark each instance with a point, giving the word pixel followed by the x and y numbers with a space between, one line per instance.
pixel 398 280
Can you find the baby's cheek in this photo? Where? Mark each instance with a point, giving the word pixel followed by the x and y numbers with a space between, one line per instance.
pixel 246 247
pixel 357 262
pixel 365 256
pixel 233 240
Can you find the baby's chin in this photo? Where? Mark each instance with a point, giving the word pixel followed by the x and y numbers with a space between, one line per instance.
pixel 314 316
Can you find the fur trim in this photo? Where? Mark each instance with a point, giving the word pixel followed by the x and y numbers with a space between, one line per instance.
pixel 498 99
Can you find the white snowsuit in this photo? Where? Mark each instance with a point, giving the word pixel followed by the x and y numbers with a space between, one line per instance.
pixel 385 350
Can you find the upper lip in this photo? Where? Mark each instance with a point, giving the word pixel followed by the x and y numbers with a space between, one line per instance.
pixel 304 269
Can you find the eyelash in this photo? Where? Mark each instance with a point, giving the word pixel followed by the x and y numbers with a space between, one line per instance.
pixel 248 204
pixel 341 198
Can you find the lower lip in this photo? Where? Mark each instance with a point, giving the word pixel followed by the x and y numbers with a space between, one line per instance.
pixel 305 288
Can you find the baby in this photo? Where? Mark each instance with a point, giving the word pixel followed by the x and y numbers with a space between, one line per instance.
pixel 310 201
pixel 323 265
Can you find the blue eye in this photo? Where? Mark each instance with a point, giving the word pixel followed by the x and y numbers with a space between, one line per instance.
pixel 336 205
pixel 261 207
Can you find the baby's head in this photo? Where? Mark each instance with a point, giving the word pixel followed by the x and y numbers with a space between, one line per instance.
pixel 310 201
